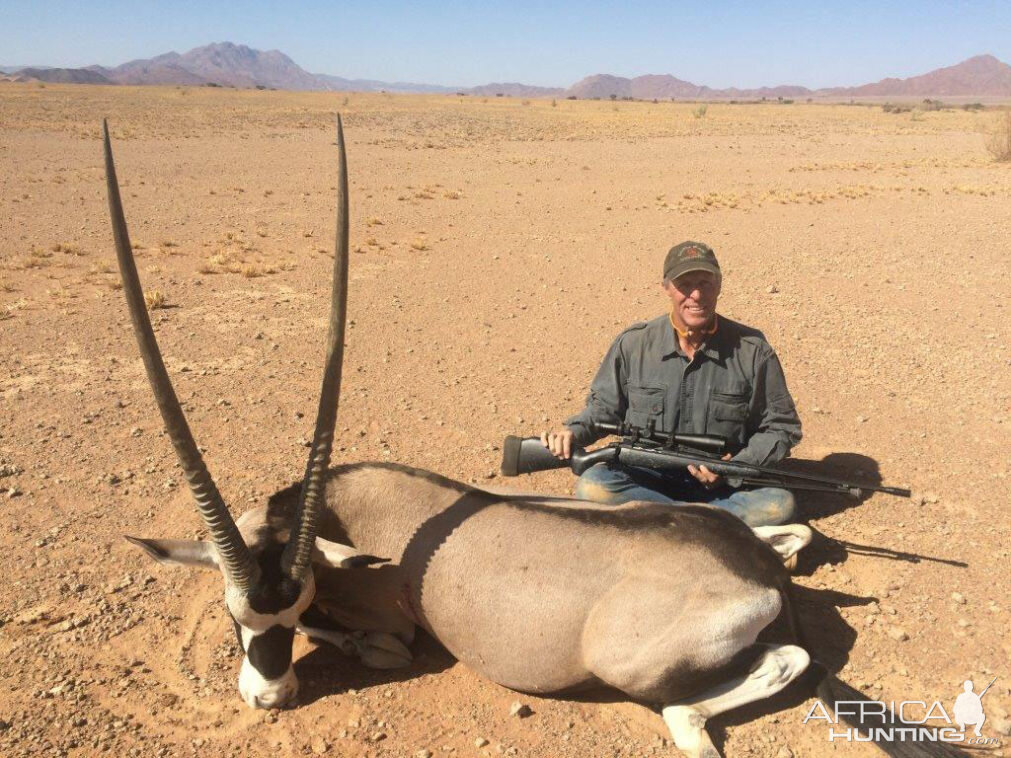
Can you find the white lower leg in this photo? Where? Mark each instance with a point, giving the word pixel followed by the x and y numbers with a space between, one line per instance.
pixel 785 539
pixel 688 729
pixel 777 667
pixel 377 650
pixel 340 640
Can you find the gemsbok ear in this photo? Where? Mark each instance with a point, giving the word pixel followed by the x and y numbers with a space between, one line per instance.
pixel 336 555
pixel 178 552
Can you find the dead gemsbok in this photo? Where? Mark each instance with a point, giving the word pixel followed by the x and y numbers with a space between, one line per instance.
pixel 540 594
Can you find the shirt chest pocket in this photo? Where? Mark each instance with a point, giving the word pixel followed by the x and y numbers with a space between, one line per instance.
pixel 728 413
pixel 646 404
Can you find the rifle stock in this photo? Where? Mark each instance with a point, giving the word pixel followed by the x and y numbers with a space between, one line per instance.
pixel 528 455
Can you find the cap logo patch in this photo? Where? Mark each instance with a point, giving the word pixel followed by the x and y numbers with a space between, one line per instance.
pixel 691 252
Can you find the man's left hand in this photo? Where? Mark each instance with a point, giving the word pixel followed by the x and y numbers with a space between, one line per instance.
pixel 708 479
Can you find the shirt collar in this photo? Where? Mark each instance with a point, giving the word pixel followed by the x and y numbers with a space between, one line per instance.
pixel 710 348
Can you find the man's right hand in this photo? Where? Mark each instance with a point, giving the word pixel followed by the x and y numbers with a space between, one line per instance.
pixel 559 443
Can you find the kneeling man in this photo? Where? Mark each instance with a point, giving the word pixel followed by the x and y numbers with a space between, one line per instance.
pixel 691 371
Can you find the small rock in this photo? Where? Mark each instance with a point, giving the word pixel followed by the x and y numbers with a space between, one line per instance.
pixel 4 725
pixel 772 289
pixel 480 742
pixel 784 752
pixel 898 634
pixel 13 492
pixel 378 737
pixel 958 597
pixel 9 469
pixel 425 753
pixel 930 497
pixel 861 419
pixel 521 710
pixel 319 746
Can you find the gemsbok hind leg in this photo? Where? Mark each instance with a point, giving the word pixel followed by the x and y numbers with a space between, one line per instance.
pixel 772 671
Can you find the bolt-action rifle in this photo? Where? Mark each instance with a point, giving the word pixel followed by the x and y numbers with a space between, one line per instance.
pixel 670 453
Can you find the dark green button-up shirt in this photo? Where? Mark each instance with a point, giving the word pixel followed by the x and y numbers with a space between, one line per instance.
pixel 734 387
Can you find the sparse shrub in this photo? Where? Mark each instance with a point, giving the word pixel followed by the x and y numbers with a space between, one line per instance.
pixel 700 112
pixel 998 138
pixel 973 107
pixel 554 103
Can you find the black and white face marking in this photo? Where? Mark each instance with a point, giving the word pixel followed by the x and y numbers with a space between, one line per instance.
pixel 265 624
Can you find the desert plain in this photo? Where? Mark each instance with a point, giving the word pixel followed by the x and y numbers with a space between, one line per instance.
pixel 498 247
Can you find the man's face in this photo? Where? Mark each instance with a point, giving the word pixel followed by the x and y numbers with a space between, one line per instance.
pixel 693 296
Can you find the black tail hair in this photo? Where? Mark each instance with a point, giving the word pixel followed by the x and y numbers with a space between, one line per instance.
pixel 833 690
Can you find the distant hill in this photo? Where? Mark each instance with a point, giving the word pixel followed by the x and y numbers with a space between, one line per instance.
pixel 514 89
pixel 62 75
pixel 981 76
pixel 231 65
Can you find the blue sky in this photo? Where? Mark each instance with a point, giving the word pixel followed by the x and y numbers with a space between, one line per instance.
pixel 720 44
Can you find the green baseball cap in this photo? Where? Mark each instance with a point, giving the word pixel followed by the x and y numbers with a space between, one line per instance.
pixel 690 256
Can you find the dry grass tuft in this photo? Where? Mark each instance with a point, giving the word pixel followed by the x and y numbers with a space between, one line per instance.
pixel 419 244
pixel 101 267
pixel 998 139
pixel 154 299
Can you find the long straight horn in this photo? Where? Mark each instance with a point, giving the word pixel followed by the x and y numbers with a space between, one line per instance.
pixel 303 534
pixel 238 562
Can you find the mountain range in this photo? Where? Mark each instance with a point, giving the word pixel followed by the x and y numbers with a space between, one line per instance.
pixel 230 65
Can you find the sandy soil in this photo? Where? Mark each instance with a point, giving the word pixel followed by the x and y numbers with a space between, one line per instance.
pixel 500 245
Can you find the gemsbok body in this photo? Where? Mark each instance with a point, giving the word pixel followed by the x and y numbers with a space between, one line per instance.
pixel 540 594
